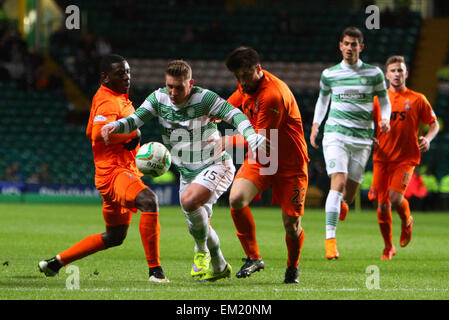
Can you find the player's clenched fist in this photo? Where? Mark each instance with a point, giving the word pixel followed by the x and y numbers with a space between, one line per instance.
pixel 424 144
pixel 384 125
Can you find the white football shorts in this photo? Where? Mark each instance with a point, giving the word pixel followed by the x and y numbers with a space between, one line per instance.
pixel 217 178
pixel 342 157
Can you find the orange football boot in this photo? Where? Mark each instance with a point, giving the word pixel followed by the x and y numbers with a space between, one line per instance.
pixel 330 245
pixel 344 209
pixel 406 233
pixel 388 253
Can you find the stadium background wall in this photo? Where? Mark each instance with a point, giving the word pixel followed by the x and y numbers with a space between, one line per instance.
pixel 49 72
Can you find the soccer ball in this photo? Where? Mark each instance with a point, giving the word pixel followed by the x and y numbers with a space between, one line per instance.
pixel 153 159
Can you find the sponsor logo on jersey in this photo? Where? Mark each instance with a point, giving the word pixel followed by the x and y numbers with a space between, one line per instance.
pixel 99 118
pixel 398 115
pixel 351 95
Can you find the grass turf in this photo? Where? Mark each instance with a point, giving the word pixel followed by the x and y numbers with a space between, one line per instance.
pixel 30 233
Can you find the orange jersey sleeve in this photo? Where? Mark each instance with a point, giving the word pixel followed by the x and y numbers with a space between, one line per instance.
pixel 107 111
pixel 273 106
pixel 408 110
pixel 236 98
pixel 109 106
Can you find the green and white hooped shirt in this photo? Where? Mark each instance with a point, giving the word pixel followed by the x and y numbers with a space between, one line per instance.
pixel 351 89
pixel 187 128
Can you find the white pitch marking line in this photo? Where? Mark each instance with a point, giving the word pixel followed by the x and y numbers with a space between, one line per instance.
pixel 223 289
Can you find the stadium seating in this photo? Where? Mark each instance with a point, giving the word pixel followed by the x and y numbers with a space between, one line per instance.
pixel 157 35
pixel 312 35
pixel 33 131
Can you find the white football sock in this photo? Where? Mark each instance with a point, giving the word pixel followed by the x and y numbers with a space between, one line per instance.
pixel 217 260
pixel 198 221
pixel 332 212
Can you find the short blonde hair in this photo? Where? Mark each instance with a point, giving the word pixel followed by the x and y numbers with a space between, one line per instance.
pixel 395 59
pixel 179 68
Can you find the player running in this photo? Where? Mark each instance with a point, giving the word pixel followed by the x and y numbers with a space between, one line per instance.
pixel 185 114
pixel 350 86
pixel 272 109
pixel 397 153
pixel 116 177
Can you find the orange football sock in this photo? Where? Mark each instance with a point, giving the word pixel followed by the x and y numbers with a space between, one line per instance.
pixel 294 249
pixel 385 222
pixel 404 211
pixel 246 231
pixel 150 230
pixel 85 247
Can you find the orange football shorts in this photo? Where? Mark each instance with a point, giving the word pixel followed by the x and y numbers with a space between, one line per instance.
pixel 119 197
pixel 389 176
pixel 289 191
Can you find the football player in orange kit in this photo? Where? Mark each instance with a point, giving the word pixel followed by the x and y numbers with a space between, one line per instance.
pixel 116 177
pixel 269 104
pixel 398 152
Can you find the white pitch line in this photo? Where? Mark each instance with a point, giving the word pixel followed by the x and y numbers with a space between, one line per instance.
pixel 165 287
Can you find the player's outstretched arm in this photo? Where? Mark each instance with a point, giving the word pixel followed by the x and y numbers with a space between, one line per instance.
pixel 223 110
pixel 106 131
pixel 226 142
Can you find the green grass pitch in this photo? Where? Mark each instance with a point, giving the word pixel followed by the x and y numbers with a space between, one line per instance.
pixel 29 233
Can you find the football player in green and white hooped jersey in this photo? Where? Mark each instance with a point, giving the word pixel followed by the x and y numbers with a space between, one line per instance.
pixel 186 116
pixel 350 86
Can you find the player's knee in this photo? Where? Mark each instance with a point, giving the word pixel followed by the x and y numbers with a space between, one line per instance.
pixel 384 213
pixel 293 228
pixel 113 239
pixel 114 242
pixel 237 200
pixel 384 207
pixel 338 182
pixel 189 203
pixel 146 201
pixel 395 199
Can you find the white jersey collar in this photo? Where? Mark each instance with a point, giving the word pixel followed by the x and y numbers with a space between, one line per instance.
pixel 356 66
